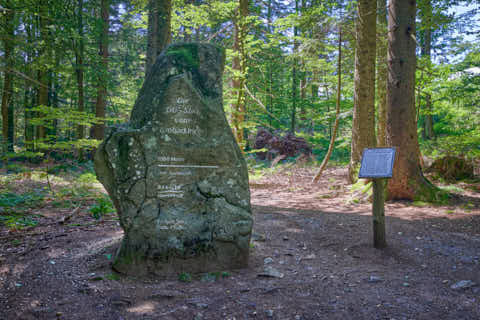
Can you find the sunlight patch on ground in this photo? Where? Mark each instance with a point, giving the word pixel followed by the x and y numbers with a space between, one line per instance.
pixel 142 308
pixel 294 230
pixel 55 253
pixel 98 245
pixel 417 213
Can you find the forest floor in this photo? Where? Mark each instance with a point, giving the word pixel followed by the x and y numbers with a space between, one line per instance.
pixel 311 257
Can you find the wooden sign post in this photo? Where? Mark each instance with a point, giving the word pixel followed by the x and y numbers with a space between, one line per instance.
pixel 377 164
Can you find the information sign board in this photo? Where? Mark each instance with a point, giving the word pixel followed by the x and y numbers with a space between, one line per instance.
pixel 377 163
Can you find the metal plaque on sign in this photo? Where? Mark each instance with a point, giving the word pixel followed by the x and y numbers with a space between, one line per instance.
pixel 377 163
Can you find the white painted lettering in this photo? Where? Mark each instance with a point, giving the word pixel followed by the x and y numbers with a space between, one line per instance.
pixel 171 195
pixel 170 188
pixel 183 120
pixel 170 159
pixel 185 131
pixel 182 109
pixel 181 100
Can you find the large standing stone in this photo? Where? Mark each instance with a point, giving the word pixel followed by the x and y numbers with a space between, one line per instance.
pixel 175 173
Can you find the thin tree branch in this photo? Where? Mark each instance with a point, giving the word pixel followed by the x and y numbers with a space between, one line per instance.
pixel 218 32
pixel 24 76
pixel 259 102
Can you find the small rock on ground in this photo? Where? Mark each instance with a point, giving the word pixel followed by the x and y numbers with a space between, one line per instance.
pixel 463 284
pixel 271 272
pixel 374 279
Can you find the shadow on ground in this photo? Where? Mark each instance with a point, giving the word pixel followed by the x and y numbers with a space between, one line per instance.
pixel 328 268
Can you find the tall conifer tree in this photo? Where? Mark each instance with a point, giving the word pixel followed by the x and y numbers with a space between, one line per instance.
pixel 363 127
pixel 408 181
pixel 159 29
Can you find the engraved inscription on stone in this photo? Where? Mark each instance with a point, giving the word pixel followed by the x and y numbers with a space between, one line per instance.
pixel 184 117
pixel 377 163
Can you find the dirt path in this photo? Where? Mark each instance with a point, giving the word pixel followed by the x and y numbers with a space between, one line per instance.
pixel 312 258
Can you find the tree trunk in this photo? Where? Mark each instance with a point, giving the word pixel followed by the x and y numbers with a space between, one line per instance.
pixel 42 72
pixel 381 72
pixel 314 88
pixel 294 76
pixel 328 129
pixel 239 67
pixel 337 118
pixel 30 101
pixel 29 97
pixel 7 103
pixel 408 181
pixel 429 133
pixel 303 92
pixel 54 87
pixel 42 100
pixel 101 103
pixel 79 69
pixel 363 126
pixel 303 71
pixel 158 34
pixel 426 52
pixel 269 90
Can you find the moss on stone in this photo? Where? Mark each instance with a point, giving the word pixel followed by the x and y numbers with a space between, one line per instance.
pixel 122 261
pixel 185 54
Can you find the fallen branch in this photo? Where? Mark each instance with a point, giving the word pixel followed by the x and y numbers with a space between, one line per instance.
pixel 69 216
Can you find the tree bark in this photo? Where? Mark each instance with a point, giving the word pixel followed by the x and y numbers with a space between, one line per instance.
pixel 363 126
pixel 239 67
pixel 381 72
pixel 159 29
pixel 7 103
pixel 408 181
pixel 101 102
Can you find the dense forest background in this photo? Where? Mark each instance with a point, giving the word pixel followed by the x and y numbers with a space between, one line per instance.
pixel 71 67
pixel 324 78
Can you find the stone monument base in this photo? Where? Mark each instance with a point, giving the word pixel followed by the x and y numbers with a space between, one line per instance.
pixel 129 262
pixel 175 173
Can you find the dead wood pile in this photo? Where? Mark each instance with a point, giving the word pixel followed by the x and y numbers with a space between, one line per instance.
pixel 288 145
pixel 452 168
